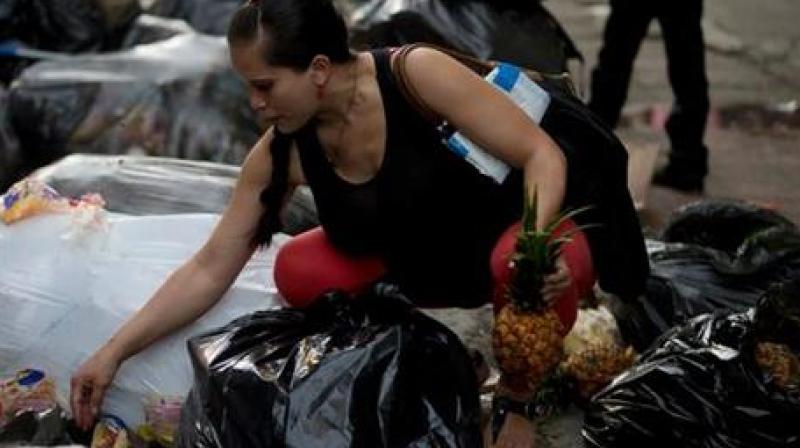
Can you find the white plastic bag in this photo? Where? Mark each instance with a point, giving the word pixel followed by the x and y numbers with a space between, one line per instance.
pixel 61 298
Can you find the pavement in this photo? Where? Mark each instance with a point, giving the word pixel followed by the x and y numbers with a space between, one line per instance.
pixel 753 134
pixel 754 125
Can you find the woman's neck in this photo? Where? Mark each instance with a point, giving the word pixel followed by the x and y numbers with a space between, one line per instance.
pixel 341 95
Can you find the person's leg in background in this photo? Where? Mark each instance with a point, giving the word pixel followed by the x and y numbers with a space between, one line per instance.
pixel 625 29
pixel 681 26
pixel 309 265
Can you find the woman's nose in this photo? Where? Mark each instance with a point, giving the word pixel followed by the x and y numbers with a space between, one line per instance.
pixel 257 102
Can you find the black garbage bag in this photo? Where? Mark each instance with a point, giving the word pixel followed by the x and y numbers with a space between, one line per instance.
pixel 142 185
pixel 368 372
pixel 10 156
pixel 700 386
pixel 206 16
pixel 523 33
pixel 50 427
pixel 746 250
pixel 176 98
pixel 720 224
pixel 69 26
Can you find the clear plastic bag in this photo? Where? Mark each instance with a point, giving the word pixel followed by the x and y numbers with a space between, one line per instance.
pixel 142 185
pixel 177 97
pixel 60 299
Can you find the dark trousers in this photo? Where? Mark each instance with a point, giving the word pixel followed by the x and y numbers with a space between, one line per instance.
pixel 680 22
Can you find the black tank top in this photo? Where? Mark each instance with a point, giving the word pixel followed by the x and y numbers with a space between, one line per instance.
pixel 432 216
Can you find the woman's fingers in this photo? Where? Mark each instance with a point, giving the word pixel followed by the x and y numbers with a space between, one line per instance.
pixel 86 413
pixel 79 401
pixel 85 400
pixel 96 399
pixel 556 283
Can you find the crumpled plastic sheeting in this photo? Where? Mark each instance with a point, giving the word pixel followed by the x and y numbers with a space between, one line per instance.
pixel 70 26
pixel 368 371
pixel 178 98
pixel 698 387
pixel 141 185
pixel 62 297
pixel 149 29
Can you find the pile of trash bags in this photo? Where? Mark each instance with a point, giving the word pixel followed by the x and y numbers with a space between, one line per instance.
pixel 719 335
pixel 715 255
pixel 149 100
pixel 721 380
pixel 130 77
pixel 64 26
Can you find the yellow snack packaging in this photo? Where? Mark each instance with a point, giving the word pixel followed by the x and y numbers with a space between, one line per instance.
pixel 28 198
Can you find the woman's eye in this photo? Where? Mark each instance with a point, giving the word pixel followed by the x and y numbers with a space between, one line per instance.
pixel 264 87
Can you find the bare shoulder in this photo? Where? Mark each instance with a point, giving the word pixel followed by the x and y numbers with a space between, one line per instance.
pixel 429 66
pixel 448 88
pixel 426 55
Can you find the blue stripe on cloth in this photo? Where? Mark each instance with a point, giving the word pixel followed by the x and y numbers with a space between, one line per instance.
pixel 457 147
pixel 507 75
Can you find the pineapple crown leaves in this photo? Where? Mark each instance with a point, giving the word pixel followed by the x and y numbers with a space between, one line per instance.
pixel 536 253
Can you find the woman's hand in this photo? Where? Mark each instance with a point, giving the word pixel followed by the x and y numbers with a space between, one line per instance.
pixel 557 283
pixel 89 385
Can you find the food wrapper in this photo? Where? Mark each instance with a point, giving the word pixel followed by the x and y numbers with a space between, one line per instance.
pixel 28 390
pixel 162 417
pixel 30 197
pixel 110 432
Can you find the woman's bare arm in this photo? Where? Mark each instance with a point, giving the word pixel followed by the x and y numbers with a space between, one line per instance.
pixel 187 293
pixel 198 284
pixel 491 120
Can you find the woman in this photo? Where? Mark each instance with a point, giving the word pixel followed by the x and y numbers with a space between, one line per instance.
pixel 393 202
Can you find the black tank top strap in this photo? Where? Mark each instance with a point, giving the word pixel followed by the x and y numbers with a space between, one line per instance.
pixel 394 102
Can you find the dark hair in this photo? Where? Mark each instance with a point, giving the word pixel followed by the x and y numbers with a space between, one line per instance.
pixel 298 30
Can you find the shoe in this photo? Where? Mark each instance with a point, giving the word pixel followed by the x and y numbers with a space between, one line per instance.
pixel 672 178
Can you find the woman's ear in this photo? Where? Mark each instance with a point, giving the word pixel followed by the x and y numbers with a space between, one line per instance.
pixel 320 70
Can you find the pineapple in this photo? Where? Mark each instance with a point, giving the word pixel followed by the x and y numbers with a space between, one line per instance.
pixel 594 366
pixel 779 362
pixel 527 337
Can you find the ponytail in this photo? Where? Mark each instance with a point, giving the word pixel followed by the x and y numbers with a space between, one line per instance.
pixel 273 196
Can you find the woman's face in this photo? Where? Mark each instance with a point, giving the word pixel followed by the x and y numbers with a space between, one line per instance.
pixel 281 96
